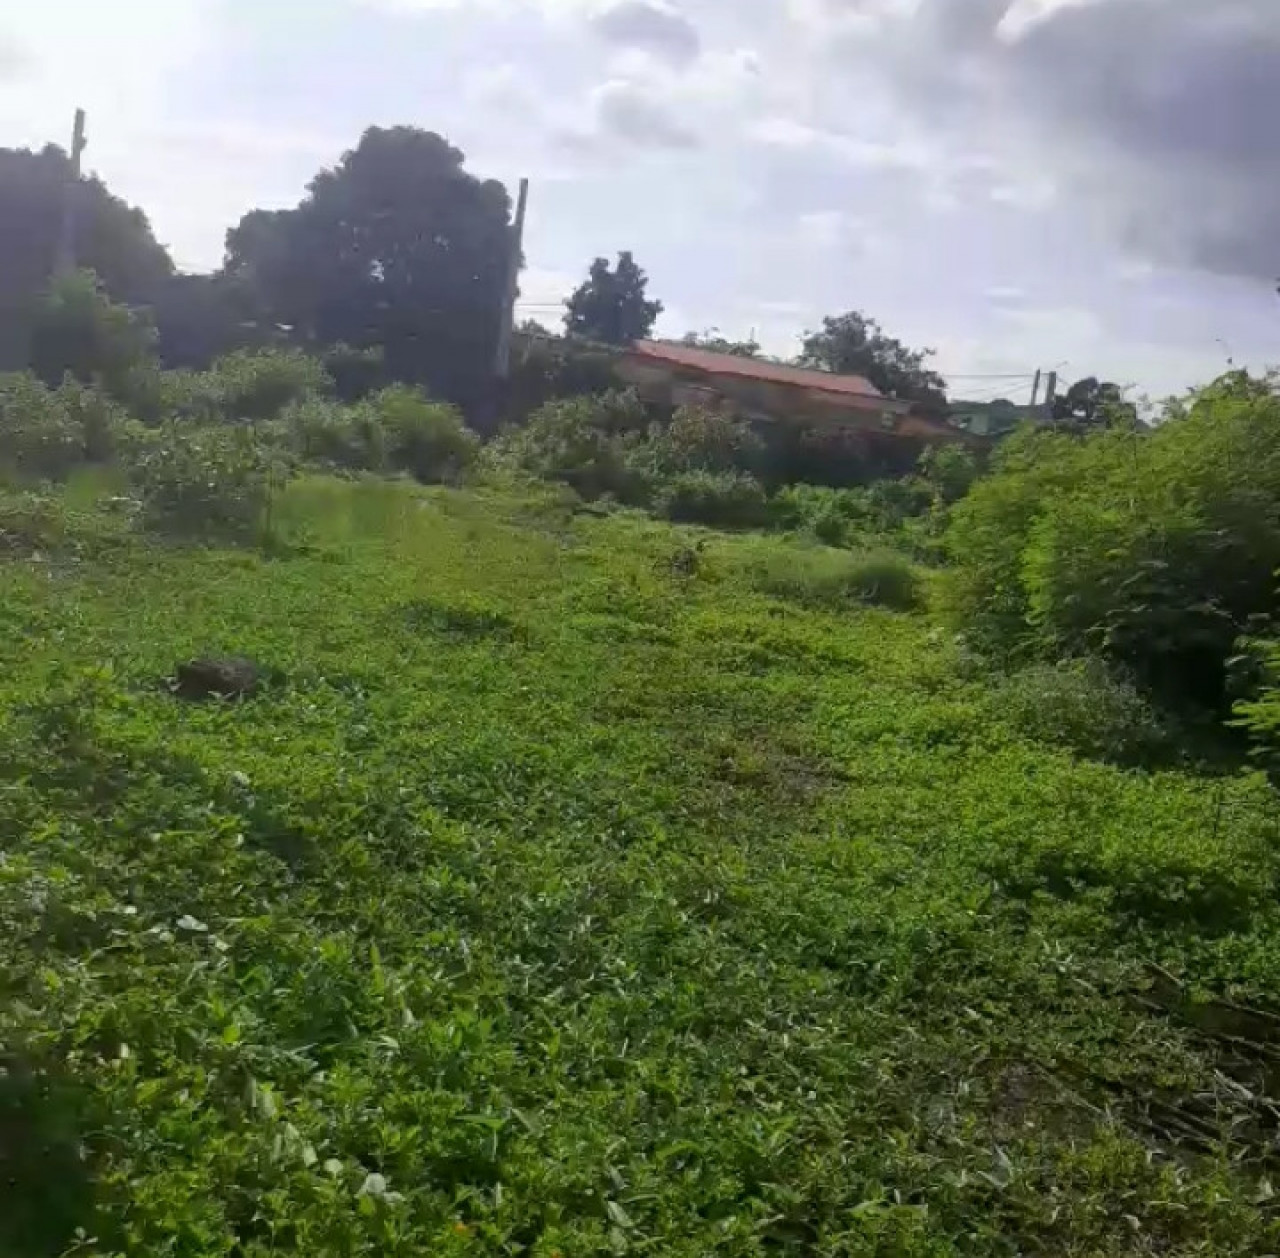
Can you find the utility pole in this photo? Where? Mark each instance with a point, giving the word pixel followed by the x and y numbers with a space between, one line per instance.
pixel 1051 393
pixel 1035 390
pixel 65 261
pixel 502 361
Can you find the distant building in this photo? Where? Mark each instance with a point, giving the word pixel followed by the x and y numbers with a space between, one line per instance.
pixel 760 390
pixel 995 419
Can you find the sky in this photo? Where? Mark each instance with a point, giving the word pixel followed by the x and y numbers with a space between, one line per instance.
pixel 1087 186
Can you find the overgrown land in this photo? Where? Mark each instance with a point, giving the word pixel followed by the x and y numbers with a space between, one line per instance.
pixel 587 883
pixel 635 833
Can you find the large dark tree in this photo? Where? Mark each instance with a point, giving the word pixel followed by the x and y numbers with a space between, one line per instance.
pixel 397 247
pixel 612 306
pixel 203 317
pixel 1094 403
pixel 112 239
pixel 853 344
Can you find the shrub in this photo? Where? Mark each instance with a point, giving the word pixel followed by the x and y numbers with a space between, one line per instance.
pixel 949 471
pixel 822 577
pixel 350 437
pixel 38 436
pixel 720 499
pixel 1259 716
pixel 260 383
pixel 425 438
pixel 831 515
pixel 79 331
pixel 1082 706
pixel 1152 549
pixel 587 443
pixel 207 481
pixel 699 439
pixel 356 373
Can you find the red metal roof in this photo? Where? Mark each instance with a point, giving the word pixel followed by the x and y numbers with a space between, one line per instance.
pixel 755 369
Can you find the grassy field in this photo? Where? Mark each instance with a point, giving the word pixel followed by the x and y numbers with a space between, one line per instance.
pixel 571 892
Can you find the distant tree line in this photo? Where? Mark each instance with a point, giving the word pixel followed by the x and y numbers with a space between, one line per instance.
pixel 398 252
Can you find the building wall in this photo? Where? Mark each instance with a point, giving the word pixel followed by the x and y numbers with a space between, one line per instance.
pixel 754 399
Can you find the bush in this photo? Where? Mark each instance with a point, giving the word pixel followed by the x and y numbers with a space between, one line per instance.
pixel 699 439
pixel 259 384
pixel 729 500
pixel 1260 715
pixel 207 481
pixel 588 443
pixel 425 438
pixel 79 331
pixel 1080 705
pixel 39 438
pixel 833 516
pixel 356 373
pixel 821 577
pixel 1154 550
pixel 348 437
pixel 46 433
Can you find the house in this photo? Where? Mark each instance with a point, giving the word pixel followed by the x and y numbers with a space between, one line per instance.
pixel 759 390
pixel 995 419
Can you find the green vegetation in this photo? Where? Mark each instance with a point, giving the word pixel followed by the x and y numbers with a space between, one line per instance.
pixel 586 885
pixel 882 874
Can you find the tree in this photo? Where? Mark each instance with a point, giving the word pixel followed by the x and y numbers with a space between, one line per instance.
pixel 77 330
pixel 397 246
pixel 611 306
pixel 112 239
pixel 204 317
pixel 1091 403
pixel 712 340
pixel 853 344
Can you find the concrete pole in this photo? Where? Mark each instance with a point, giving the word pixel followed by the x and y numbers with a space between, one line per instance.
pixel 502 361
pixel 65 262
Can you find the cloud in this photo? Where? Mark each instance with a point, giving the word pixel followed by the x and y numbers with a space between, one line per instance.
pixel 1159 114
pixel 627 110
pixel 15 61
pixel 652 25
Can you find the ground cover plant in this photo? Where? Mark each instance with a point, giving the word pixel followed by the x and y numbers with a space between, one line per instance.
pixel 568 889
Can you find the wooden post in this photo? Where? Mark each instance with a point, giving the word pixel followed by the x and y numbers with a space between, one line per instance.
pixel 502 361
pixel 1035 390
pixel 66 257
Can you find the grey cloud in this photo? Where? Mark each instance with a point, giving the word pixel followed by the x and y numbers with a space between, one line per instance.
pixel 1161 111
pixel 652 25
pixel 14 61
pixel 638 115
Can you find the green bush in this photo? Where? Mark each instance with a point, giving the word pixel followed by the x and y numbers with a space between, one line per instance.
pixel 46 433
pixel 588 443
pixel 1151 549
pixel 730 500
pixel 260 383
pixel 79 331
pixel 1259 716
pixel 833 516
pixel 39 438
pixel 326 432
pixel 698 439
pixel 205 482
pixel 1082 706
pixel 428 439
pixel 822 577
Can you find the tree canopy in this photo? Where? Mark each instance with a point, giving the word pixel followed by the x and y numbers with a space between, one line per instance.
pixel 113 239
pixel 612 305
pixel 854 344
pixel 397 246
pixel 1094 403
pixel 713 340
